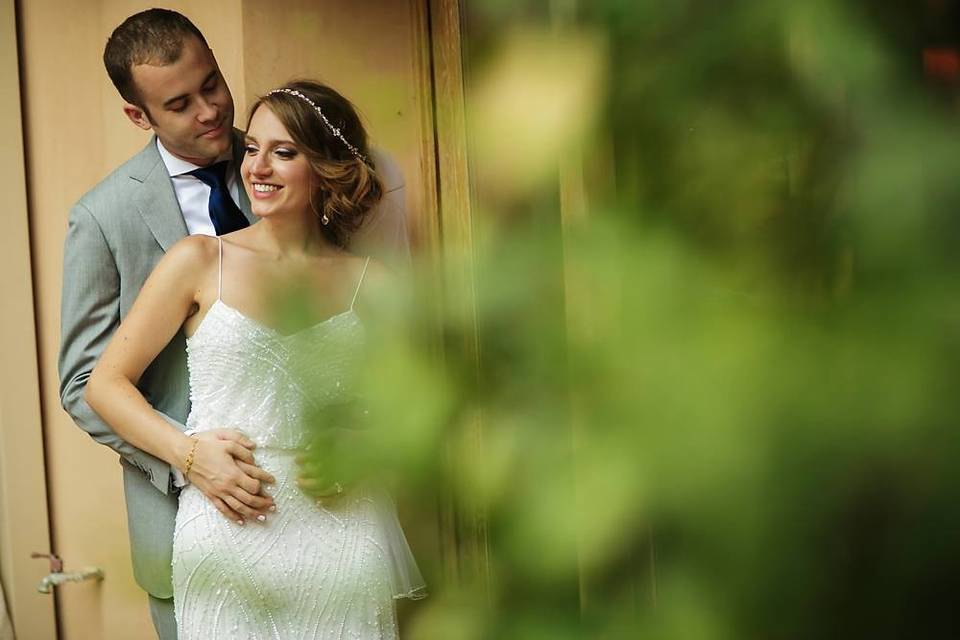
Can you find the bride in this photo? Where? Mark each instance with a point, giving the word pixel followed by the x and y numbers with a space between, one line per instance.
pixel 298 568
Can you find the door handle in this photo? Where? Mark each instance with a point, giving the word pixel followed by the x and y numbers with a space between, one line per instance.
pixel 53 579
pixel 57 576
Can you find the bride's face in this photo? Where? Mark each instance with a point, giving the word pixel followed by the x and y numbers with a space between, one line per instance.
pixel 275 172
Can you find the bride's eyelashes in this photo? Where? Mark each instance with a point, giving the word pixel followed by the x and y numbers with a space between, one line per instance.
pixel 281 152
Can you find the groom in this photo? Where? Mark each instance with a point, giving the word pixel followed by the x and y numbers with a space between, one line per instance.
pixel 185 181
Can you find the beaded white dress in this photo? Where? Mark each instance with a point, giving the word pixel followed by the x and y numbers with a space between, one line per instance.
pixel 326 572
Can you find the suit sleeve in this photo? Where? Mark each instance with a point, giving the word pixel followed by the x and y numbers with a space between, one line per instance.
pixel 384 232
pixel 89 315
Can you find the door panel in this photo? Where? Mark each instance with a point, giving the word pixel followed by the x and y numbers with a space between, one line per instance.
pixel 23 491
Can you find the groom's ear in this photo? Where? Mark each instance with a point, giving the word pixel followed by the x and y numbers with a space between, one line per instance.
pixel 137 116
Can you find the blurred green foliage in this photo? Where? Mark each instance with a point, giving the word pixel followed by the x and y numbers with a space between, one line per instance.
pixel 706 391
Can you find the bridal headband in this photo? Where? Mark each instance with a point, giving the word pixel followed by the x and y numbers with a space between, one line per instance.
pixel 335 131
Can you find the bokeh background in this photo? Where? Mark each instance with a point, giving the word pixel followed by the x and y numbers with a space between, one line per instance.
pixel 678 361
pixel 705 387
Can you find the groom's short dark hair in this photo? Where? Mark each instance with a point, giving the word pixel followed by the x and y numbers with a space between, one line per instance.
pixel 154 36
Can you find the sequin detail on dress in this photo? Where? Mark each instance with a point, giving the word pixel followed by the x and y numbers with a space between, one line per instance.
pixel 308 571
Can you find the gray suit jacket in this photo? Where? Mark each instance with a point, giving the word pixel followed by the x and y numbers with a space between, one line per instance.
pixel 118 232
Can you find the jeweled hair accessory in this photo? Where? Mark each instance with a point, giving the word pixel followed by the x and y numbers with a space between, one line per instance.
pixel 335 131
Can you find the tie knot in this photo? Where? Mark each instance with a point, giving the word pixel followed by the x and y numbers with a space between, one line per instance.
pixel 213 176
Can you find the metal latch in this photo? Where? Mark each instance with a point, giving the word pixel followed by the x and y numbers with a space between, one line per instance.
pixel 57 575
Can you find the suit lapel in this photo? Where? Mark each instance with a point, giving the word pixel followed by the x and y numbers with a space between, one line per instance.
pixel 237 160
pixel 156 200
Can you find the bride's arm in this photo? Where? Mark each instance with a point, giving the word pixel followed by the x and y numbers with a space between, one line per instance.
pixel 167 299
pixel 223 468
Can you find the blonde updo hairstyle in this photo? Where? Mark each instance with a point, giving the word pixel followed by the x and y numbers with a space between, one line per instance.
pixel 346 187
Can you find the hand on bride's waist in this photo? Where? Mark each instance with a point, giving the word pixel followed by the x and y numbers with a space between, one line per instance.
pixel 336 460
pixel 221 465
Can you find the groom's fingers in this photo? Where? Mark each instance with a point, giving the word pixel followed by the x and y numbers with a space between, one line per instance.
pixel 254 471
pixel 308 483
pixel 222 507
pixel 258 503
pixel 248 484
pixel 240 452
pixel 236 436
pixel 241 508
pixel 330 491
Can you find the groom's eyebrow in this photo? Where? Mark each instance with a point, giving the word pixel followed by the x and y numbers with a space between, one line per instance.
pixel 184 96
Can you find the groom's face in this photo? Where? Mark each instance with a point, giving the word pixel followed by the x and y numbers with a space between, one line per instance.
pixel 186 103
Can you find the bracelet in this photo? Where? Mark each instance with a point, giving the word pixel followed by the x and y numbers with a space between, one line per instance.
pixel 188 463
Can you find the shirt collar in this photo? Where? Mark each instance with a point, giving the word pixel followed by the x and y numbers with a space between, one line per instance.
pixel 177 167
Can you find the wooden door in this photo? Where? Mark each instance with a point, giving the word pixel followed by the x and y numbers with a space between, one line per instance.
pixel 23 493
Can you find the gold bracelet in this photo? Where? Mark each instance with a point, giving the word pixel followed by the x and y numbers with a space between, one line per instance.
pixel 188 464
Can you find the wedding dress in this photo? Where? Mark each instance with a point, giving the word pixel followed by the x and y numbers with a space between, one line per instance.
pixel 309 571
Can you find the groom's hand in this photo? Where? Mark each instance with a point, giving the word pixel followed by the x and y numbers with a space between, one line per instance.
pixel 224 470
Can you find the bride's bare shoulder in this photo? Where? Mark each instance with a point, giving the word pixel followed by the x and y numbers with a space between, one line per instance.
pixel 379 285
pixel 374 276
pixel 190 259
pixel 196 248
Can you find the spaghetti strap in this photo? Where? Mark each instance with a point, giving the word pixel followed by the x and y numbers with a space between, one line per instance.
pixel 359 282
pixel 220 268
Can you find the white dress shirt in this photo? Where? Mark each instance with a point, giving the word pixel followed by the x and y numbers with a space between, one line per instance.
pixel 193 194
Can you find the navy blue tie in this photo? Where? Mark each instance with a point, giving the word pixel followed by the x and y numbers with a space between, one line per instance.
pixel 224 213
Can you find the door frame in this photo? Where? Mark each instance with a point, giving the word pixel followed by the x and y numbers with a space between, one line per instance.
pixel 24 517
pixel 467 559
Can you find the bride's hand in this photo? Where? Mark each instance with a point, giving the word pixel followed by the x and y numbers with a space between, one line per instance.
pixel 319 488
pixel 334 461
pixel 224 470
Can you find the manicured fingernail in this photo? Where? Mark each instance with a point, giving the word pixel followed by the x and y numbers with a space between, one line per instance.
pixel 262 518
pixel 240 522
pixel 273 507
